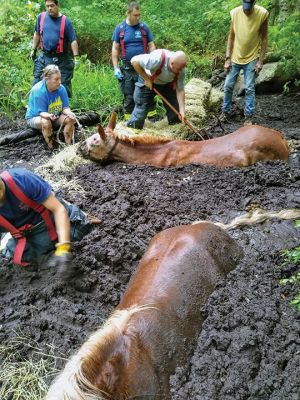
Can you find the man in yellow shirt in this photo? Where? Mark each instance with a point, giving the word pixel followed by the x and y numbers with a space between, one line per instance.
pixel 246 48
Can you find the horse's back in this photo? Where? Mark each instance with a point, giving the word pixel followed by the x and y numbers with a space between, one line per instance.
pixel 179 261
pixel 268 141
pixel 243 147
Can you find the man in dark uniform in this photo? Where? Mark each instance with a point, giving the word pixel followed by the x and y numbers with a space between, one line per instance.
pixel 38 221
pixel 54 32
pixel 130 38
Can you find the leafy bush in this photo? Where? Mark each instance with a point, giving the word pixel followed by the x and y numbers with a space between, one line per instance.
pixel 198 27
pixel 293 257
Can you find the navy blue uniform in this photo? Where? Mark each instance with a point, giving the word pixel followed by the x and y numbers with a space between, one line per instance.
pixel 134 45
pixel 49 55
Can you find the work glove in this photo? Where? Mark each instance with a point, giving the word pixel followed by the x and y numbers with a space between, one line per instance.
pixel 33 54
pixel 76 62
pixel 118 74
pixel 62 260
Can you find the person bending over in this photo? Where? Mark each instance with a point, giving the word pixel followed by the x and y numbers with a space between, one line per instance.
pixel 165 71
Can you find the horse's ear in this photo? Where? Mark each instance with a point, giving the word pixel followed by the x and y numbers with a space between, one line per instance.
pixel 112 122
pixel 101 132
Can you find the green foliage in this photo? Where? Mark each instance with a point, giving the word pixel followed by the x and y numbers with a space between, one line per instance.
pixel 285 39
pixel 94 87
pixel 293 257
pixel 296 301
pixel 198 27
pixel 15 77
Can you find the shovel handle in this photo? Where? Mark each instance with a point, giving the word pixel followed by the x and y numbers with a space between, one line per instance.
pixel 183 119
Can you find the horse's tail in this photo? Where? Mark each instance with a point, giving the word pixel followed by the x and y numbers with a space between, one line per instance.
pixel 256 217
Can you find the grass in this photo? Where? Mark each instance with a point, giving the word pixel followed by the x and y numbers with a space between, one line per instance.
pixel 26 378
pixel 94 87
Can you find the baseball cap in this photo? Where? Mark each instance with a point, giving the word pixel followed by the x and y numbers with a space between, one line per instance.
pixel 248 4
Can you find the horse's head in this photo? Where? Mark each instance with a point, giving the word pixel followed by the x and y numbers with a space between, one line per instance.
pixel 112 364
pixel 98 147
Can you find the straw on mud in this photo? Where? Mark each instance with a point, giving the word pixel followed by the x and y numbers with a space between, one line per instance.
pixel 64 161
pixel 26 379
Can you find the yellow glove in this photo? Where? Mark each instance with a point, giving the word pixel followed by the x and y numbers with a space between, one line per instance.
pixel 62 248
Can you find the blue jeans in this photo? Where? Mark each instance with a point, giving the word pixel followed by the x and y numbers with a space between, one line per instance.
pixel 64 62
pixel 249 81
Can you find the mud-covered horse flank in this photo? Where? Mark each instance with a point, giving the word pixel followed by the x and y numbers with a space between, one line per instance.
pixel 243 147
pixel 154 327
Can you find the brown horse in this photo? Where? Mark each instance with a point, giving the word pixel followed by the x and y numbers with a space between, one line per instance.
pixel 241 148
pixel 154 327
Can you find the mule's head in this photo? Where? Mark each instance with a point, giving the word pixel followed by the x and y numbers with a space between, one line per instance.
pixel 98 146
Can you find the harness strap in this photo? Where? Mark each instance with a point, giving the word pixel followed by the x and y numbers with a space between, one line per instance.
pixel 60 45
pixel 159 69
pixel 43 14
pixel 21 239
pixel 122 41
pixel 18 233
pixel 144 37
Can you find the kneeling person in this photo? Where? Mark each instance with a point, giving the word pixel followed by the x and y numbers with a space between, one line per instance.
pixel 38 221
pixel 48 107
pixel 167 73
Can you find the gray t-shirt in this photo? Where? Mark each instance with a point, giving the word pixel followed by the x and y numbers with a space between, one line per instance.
pixel 152 61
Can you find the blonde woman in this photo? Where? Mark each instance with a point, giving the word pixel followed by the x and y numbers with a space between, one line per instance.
pixel 48 107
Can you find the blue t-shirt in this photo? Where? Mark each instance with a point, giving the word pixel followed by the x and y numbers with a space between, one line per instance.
pixel 133 38
pixel 51 30
pixel 41 100
pixel 34 187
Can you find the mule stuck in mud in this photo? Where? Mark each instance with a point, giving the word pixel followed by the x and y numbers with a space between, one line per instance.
pixel 154 327
pixel 246 146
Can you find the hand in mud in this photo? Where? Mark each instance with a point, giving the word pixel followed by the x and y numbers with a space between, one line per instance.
pixel 64 265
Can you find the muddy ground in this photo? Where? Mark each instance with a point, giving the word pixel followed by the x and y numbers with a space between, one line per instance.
pixel 249 344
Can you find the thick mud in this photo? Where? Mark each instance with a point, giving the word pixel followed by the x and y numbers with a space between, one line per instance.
pixel 248 347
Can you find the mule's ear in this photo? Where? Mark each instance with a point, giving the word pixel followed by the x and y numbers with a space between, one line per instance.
pixel 112 122
pixel 101 132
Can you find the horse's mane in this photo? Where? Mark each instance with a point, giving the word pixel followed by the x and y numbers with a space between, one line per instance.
pixel 140 140
pixel 72 384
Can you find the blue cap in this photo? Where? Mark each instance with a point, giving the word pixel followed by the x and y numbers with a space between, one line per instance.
pixel 248 4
